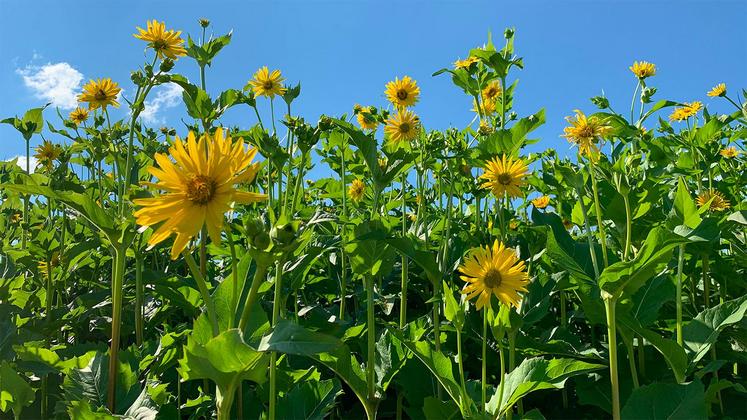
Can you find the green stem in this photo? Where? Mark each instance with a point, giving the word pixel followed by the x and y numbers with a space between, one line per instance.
pixel 680 264
pixel 26 198
pixel 405 268
pixel 592 252
pixel 511 366
pixel 297 187
pixel 609 307
pixel 343 225
pixel 628 227
pixel 484 376
pixel 202 286
pixel 503 376
pixel 464 398
pixel 706 283
pixel 276 303
pixel 138 299
pixel 371 330
pixel 631 362
pixel 118 273
pixel 632 101
pixel 598 211
pixel 234 276
pixel 259 275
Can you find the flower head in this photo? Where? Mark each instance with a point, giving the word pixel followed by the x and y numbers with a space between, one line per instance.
pixel 166 43
pixel 402 93
pixel 199 187
pixel 100 94
pixel 466 63
pixel 583 132
pixel 492 91
pixel 729 152
pixel 78 115
pixel 541 202
pixel 487 106
pixel 402 126
pixel 504 175
pixel 366 119
pixel 495 271
pixel 356 190
pixel 716 199
pixel 643 69
pixel 267 83
pixel 686 111
pixel 47 153
pixel 718 90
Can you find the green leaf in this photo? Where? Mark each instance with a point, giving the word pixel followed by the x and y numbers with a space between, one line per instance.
pixel 90 383
pixel 666 401
pixel 311 400
pixel 289 337
pixel 15 392
pixel 628 276
pixel 435 409
pixel 673 354
pixel 425 259
pixel 562 250
pixel 700 333
pixel 684 211
pixel 370 254
pixel 535 374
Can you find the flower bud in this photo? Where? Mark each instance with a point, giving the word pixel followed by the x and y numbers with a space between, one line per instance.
pixel 204 22
pixel 166 65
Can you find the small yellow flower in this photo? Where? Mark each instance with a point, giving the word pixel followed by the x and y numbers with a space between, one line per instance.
pixel 718 90
pixel 78 115
pixel 466 63
pixel 541 202
pixel 495 271
pixel 412 217
pixel 47 153
pixel 356 190
pixel 166 43
pixel 584 132
pixel 16 217
pixel 199 188
pixel 719 203
pixel 54 261
pixel 402 126
pixel 686 111
pixel 366 119
pixel 729 152
pixel 485 128
pixel 266 83
pixel 513 225
pixel 487 106
pixel 504 175
pixel 402 93
pixel 643 69
pixel 492 91
pixel 100 94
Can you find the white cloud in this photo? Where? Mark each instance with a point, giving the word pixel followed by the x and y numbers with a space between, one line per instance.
pixel 167 96
pixel 57 83
pixel 22 162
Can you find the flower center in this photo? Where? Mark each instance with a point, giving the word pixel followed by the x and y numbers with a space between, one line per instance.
pixel 100 95
pixel 268 85
pixel 404 127
pixel 159 44
pixel 493 278
pixel 586 132
pixel 200 189
pixel 402 95
pixel 505 179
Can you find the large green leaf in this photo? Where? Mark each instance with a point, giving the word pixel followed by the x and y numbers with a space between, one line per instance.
pixel 666 401
pixel 89 383
pixel 700 333
pixel 369 253
pixel 562 250
pixel 628 276
pixel 426 260
pixel 310 400
pixel 673 354
pixel 289 337
pixel 15 392
pixel 535 374
pixel 684 211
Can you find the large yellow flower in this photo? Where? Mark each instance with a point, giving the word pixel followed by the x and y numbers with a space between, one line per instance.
pixel 402 126
pixel 718 90
pixel 47 153
pixel 166 43
pixel 199 188
pixel 267 83
pixel 356 190
pixel 584 133
pixel 488 107
pixel 402 93
pixel 78 115
pixel 719 203
pixel 466 63
pixel 365 118
pixel 494 271
pixel 686 111
pixel 100 93
pixel 504 175
pixel 643 69
pixel 492 91
pixel 729 152
pixel 541 202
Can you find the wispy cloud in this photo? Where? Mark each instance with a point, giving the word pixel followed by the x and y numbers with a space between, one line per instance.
pixel 57 83
pixel 22 162
pixel 167 96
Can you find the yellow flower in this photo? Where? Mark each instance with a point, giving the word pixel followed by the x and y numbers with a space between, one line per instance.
pixel 356 190
pixel 365 119
pixel 16 217
pixel 402 126
pixel 199 188
pixel 266 83
pixel 47 153
pixel 513 225
pixel 584 132
pixel 78 115
pixel 494 271
pixel 485 128
pixel 719 203
pixel 466 63
pixel 54 261
pixel 643 69
pixel 541 202
pixel 718 90
pixel 504 175
pixel 402 93
pixel 411 216
pixel 487 107
pixel 686 111
pixel 100 94
pixel 166 44
pixel 492 91
pixel 729 152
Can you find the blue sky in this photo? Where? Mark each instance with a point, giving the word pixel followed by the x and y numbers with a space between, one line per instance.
pixel 344 52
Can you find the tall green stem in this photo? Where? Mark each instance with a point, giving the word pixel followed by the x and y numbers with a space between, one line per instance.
pixel 503 376
pixel 371 330
pixel 628 227
pixel 598 211
pixel 138 298
pixel 343 268
pixel 202 286
pixel 587 225
pixel 276 303
pixel 464 398
pixel 259 275
pixel 631 362
pixel 609 306
pixel 405 268
pixel 680 264
pixel 484 376
pixel 118 272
